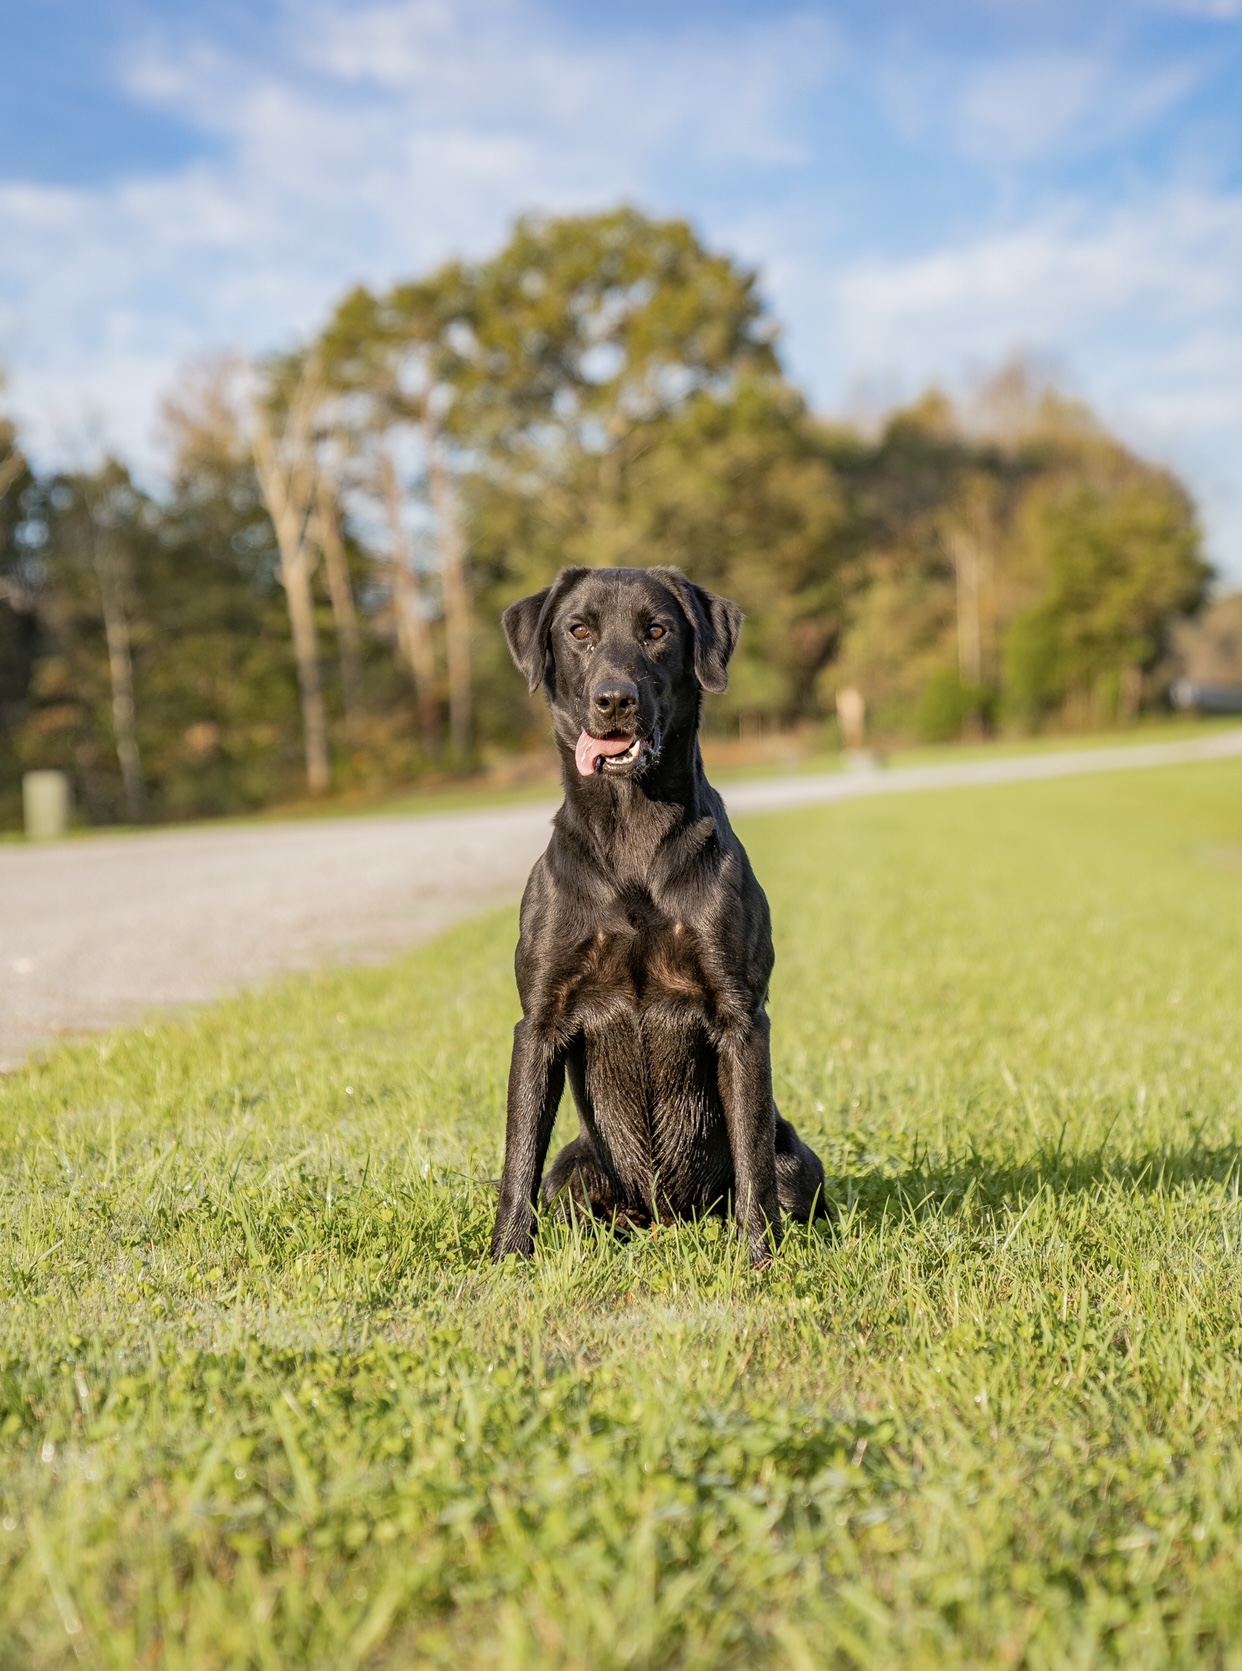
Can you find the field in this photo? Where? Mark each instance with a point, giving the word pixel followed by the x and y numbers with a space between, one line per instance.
pixel 264 1402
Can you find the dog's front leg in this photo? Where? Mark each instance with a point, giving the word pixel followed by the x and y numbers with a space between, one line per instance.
pixel 536 1081
pixel 745 1077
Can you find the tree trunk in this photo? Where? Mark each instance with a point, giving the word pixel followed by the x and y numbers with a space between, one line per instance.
pixel 120 675
pixel 296 575
pixel 1131 693
pixel 287 494
pixel 413 627
pixel 964 550
pixel 972 574
pixel 452 551
pixel 341 592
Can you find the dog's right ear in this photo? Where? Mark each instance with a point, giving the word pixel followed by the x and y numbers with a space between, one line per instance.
pixel 528 624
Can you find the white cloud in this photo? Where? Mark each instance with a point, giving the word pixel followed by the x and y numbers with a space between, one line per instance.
pixel 1039 104
pixel 388 137
pixel 720 92
pixel 1017 109
pixel 1162 275
pixel 381 138
pixel 1219 11
pixel 1143 305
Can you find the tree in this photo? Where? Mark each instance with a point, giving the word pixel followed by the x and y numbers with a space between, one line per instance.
pixel 543 375
pixel 607 391
pixel 89 533
pixel 287 469
pixel 19 622
pixel 380 360
pixel 404 349
pixel 413 624
pixel 225 688
pixel 738 489
pixel 1119 548
pixel 911 538
pixel 325 530
pixel 451 546
pixel 108 506
pixel 1011 559
pixel 584 331
pixel 604 389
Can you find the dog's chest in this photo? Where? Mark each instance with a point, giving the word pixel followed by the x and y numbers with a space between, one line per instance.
pixel 636 959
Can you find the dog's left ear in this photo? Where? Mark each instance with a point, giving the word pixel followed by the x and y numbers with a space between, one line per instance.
pixel 528 625
pixel 715 622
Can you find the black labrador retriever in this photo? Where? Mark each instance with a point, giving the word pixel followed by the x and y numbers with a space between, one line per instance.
pixel 646 944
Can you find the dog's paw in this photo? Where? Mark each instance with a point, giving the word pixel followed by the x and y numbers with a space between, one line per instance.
pixel 512 1240
pixel 762 1244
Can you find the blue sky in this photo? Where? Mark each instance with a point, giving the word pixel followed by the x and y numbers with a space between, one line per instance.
pixel 926 188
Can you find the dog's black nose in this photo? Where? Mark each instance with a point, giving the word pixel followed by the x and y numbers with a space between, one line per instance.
pixel 614 702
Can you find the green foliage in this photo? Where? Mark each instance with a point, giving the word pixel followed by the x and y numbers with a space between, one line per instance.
pixel 263 1401
pixel 1038 549
pixel 75 524
pixel 949 706
pixel 214 700
pixel 646 421
pixel 1121 560
pixel 604 389
pixel 739 491
pixel 584 331
pixel 19 625
pixel 214 681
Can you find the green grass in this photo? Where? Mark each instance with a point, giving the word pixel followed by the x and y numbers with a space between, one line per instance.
pixel 263 1401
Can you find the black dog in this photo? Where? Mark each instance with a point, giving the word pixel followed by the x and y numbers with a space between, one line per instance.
pixel 646 944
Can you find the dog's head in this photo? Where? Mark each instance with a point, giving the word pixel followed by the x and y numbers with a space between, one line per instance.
pixel 622 655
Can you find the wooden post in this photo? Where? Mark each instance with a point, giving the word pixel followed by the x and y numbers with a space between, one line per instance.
pixel 852 713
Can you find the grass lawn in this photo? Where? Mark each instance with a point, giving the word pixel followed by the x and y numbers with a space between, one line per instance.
pixel 264 1402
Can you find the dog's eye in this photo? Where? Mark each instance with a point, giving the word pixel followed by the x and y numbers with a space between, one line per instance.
pixel 655 630
pixel 579 631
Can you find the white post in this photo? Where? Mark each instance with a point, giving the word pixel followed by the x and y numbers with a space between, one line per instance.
pixel 45 801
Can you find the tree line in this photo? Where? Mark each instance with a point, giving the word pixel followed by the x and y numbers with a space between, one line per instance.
pixel 310 601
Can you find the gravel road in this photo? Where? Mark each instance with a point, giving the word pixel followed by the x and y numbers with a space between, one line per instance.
pixel 95 932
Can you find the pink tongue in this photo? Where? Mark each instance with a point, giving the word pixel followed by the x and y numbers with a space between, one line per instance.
pixel 590 749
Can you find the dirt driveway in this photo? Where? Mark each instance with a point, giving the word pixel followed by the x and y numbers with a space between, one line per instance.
pixel 95 932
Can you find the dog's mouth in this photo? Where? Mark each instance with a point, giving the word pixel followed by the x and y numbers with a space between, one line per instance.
pixel 618 752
